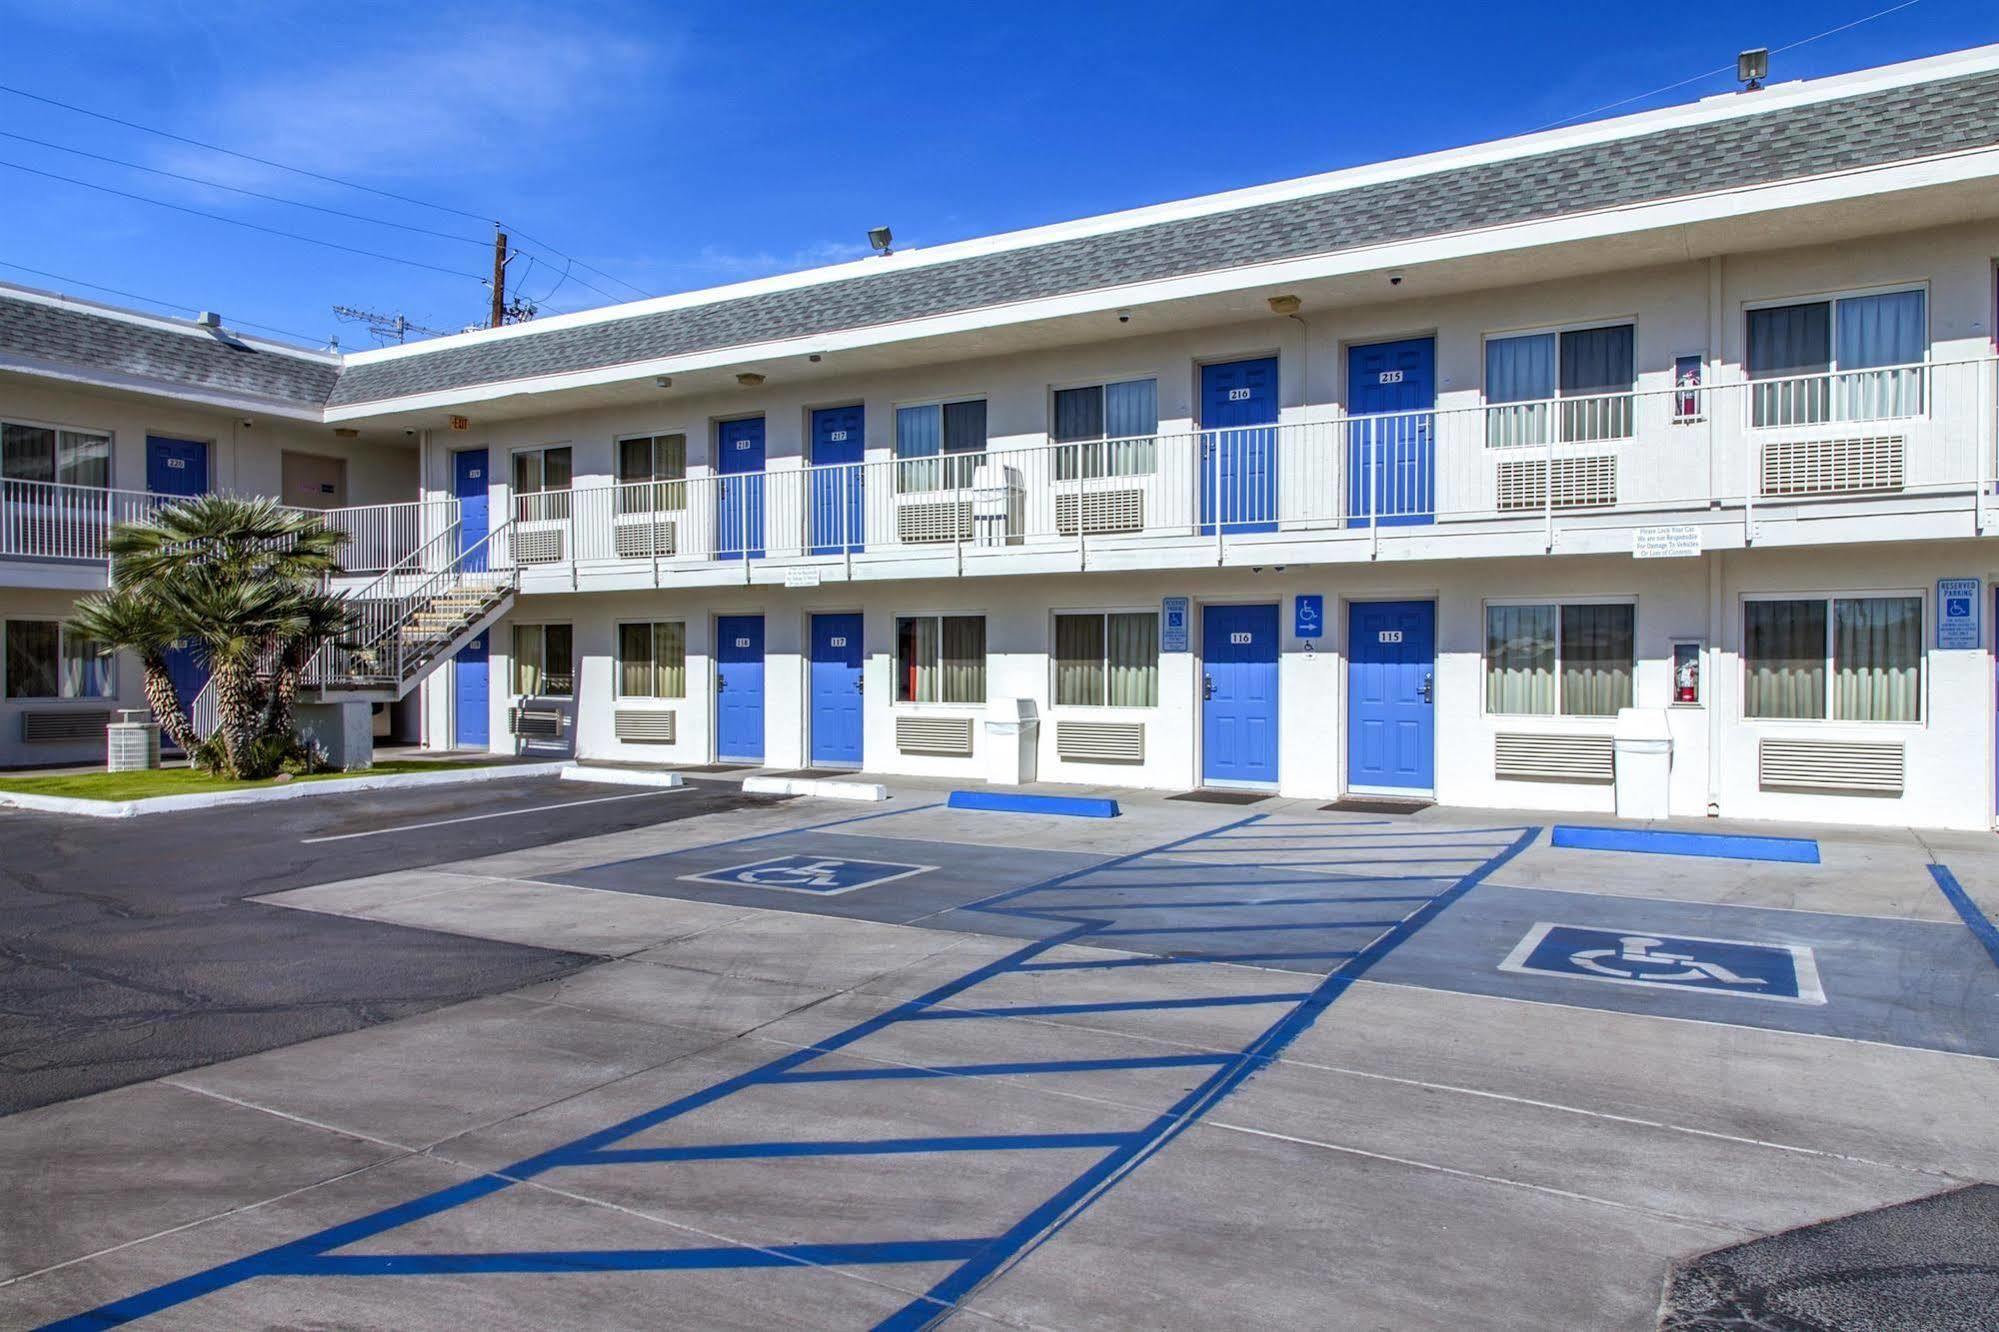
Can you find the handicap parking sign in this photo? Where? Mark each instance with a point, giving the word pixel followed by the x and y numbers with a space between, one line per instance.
pixel 1785 972
pixel 824 875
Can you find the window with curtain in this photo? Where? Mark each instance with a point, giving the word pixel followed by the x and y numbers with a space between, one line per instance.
pixel 652 473
pixel 45 660
pixel 46 453
pixel 940 444
pixel 1854 358
pixel 1111 428
pixel 1107 659
pixel 1837 658
pixel 544 660
pixel 541 484
pixel 940 659
pixel 652 660
pixel 1579 380
pixel 1571 660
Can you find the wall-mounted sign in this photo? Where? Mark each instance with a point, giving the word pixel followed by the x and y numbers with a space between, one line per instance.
pixel 808 576
pixel 1665 543
pixel 1957 612
pixel 1174 613
pixel 1308 615
pixel 461 423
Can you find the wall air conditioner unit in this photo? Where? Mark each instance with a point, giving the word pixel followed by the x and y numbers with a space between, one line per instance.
pixel 644 539
pixel 1580 483
pixel 643 726
pixel 538 545
pixel 1100 742
pixel 1848 766
pixel 1530 757
pixel 62 726
pixel 1100 511
pixel 537 723
pixel 1832 466
pixel 951 736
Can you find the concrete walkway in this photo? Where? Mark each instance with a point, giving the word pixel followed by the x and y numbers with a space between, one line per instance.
pixel 1202 1065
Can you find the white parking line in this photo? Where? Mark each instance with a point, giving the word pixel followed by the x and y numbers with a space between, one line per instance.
pixel 500 814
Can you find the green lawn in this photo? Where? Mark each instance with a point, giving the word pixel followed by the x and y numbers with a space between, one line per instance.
pixel 188 781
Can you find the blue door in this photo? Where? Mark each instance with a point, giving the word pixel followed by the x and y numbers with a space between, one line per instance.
pixel 739 687
pixel 176 466
pixel 836 690
pixel 1239 694
pixel 1239 446
pixel 740 502
pixel 472 722
pixel 469 480
pixel 1391 675
pixel 839 445
pixel 1391 459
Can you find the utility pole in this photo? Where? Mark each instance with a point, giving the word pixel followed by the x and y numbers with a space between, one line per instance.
pixel 499 278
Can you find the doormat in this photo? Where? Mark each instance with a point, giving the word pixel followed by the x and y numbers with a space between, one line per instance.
pixel 814 774
pixel 719 767
pixel 1374 805
pixel 1222 797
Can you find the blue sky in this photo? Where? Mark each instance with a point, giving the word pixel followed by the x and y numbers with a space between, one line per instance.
pixel 683 145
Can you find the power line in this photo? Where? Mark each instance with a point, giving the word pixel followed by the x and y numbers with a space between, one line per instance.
pixel 306 338
pixel 1723 69
pixel 239 222
pixel 313 175
pixel 237 189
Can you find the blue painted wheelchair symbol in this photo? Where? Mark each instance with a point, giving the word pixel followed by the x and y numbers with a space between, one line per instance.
pixel 1785 972
pixel 824 875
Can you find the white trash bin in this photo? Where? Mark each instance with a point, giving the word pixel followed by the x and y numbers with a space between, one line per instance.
pixel 1013 730
pixel 1644 745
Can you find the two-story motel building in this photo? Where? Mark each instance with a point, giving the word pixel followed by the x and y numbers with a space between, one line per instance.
pixel 1402 479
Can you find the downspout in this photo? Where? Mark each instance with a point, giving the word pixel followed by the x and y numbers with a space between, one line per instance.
pixel 1710 685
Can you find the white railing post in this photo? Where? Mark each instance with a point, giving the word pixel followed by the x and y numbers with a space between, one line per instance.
pixel 1374 433
pixel 1548 485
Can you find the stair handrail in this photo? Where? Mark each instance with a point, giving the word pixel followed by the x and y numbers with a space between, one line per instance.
pixel 392 613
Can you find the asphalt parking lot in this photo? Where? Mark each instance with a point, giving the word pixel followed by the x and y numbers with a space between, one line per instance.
pixel 805 1065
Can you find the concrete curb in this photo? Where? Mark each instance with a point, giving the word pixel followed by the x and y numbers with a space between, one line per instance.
pixel 577 772
pixel 824 788
pixel 125 809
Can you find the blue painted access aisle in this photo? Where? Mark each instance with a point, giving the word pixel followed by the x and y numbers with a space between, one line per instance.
pixel 1327 899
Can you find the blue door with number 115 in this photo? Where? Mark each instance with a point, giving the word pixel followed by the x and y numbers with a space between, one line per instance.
pixel 1391 686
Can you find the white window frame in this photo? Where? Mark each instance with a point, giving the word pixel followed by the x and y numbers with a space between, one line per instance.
pixel 63 634
pixel 943 455
pixel 618 628
pixel 1921 595
pixel 513 658
pixel 1104 613
pixel 1558 602
pixel 618 443
pixel 1554 428
pixel 895 656
pixel 1832 299
pixel 1101 383
pixel 110 438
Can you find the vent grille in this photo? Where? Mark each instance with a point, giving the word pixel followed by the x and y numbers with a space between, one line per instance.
pixel 39 727
pixel 1524 757
pixel 541 545
pixel 536 723
pixel 1873 768
pixel 644 726
pixel 1100 742
pixel 949 520
pixel 1832 466
pixel 1579 482
pixel 644 540
pixel 934 735
pixel 1102 511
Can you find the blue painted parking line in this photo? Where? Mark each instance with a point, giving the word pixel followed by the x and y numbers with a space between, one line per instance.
pixel 974 1259
pixel 1652 841
pixel 1977 921
pixel 1784 972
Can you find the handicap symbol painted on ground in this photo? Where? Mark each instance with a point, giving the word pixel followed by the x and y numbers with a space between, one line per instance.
pixel 825 875
pixel 1785 972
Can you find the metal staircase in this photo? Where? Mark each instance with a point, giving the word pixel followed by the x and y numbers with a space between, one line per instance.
pixel 415 616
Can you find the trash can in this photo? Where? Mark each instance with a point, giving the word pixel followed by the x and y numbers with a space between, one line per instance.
pixel 1644 745
pixel 132 743
pixel 1013 729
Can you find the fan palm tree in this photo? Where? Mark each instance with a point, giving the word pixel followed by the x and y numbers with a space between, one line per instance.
pixel 127 619
pixel 240 579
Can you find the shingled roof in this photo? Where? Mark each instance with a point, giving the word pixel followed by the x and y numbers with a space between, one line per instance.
pixel 1789 142
pixel 60 335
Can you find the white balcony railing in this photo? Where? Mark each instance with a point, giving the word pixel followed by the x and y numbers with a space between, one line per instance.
pixel 1924 430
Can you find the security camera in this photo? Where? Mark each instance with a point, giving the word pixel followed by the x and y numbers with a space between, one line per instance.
pixel 409 433
pixel 247 423
pixel 1124 316
pixel 1394 279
